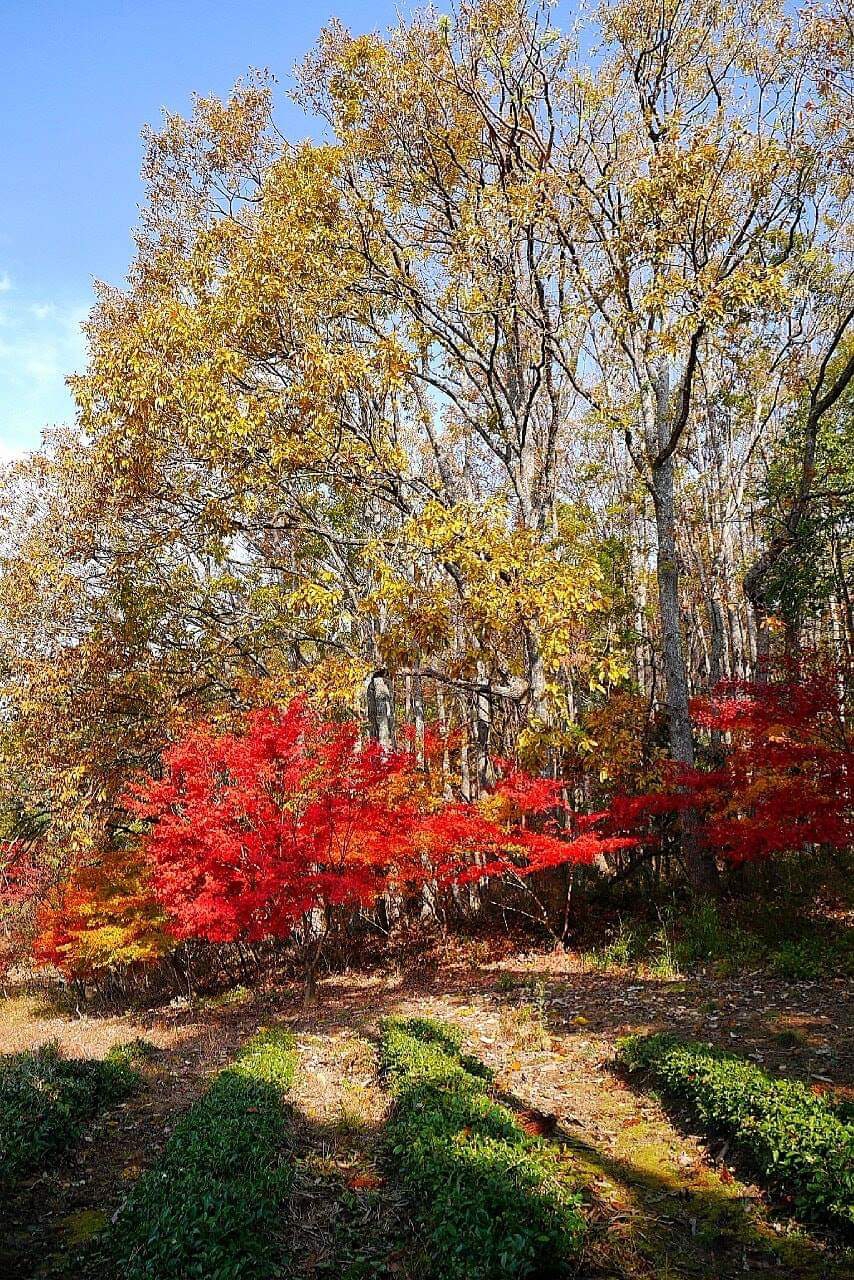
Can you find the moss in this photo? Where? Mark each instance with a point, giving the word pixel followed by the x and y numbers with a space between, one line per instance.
pixel 673 1221
pixel 80 1227
pixel 792 1139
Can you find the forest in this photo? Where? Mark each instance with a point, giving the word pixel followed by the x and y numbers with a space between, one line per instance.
pixel 426 754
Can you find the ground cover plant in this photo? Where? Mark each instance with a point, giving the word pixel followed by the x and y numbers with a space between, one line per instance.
pixel 46 1101
pixel 725 937
pixel 208 1207
pixel 495 1201
pixel 792 1137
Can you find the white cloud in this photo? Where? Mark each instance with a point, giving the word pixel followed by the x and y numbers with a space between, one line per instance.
pixel 41 343
pixel 5 282
pixel 9 452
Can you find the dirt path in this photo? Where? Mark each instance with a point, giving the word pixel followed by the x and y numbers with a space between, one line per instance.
pixel 345 1220
pixel 661 1205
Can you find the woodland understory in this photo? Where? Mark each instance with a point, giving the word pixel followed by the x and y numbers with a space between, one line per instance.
pixel 661 1198
pixel 441 608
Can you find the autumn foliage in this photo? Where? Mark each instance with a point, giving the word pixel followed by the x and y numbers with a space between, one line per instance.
pixel 455 417
pixel 787 779
pixel 780 773
pixel 291 822
pixel 104 915
pixel 254 830
pixel 24 883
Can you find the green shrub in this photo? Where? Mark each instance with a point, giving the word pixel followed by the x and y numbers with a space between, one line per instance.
pixel 494 1200
pixel 788 1134
pixel 703 936
pixel 801 960
pixel 844 1107
pixel 208 1207
pixel 683 941
pixel 625 946
pixel 47 1100
pixel 118 1075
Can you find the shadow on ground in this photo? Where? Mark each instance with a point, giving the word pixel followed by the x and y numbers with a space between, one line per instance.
pixel 656 1206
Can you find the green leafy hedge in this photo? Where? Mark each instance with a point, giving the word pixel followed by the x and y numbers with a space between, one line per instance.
pixel 47 1100
pixel 207 1209
pixel 788 1134
pixel 494 1201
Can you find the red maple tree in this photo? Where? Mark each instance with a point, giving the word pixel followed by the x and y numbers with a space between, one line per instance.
pixel 785 781
pixel 254 833
pixel 24 881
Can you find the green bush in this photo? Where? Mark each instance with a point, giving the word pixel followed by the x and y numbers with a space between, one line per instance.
pixel 208 1207
pixel 788 1134
pixel 683 941
pixel 494 1200
pixel 626 945
pixel 46 1101
pixel 703 936
pixel 800 960
pixel 118 1074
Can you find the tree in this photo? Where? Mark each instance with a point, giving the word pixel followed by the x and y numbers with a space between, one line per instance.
pixel 699 179
pixel 815 357
pixel 458 416
pixel 291 826
pixel 558 233
pixel 783 784
pixel 103 919
pixel 808 496
pixel 787 780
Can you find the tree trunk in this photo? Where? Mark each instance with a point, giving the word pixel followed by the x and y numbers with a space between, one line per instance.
pixel 381 709
pixel 672 647
pixel 465 771
pixel 539 705
pixel 483 731
pixel 753 590
pixel 311 959
pixel 699 863
pixel 716 651
pixel 447 788
pixel 418 714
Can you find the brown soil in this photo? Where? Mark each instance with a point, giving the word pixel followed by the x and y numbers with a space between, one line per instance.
pixel 660 1201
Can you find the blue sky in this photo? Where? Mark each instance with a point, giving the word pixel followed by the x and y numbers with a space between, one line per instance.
pixel 80 79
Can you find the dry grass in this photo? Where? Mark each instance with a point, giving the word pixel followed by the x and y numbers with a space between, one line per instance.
pixel 523 1028
pixel 29 1021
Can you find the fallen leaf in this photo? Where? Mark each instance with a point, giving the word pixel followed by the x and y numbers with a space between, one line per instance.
pixel 365 1181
